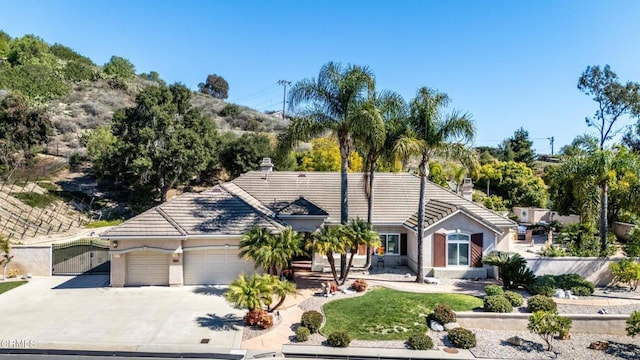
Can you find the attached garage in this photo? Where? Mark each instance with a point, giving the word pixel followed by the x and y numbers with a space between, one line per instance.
pixel 214 266
pixel 147 268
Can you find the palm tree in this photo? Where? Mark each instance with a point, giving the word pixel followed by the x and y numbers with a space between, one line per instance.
pixel 327 241
pixel 250 293
pixel 272 252
pixel 377 143
pixel 281 288
pixel 432 133
pixel 356 233
pixel 333 102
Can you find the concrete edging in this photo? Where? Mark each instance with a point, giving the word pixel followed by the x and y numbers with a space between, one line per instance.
pixel 293 350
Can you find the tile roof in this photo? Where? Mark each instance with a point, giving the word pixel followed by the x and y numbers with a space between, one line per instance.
pixel 302 206
pixel 395 198
pixel 212 212
pixel 436 210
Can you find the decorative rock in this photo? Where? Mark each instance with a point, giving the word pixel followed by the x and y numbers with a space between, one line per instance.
pixel 599 345
pixel 602 311
pixel 432 280
pixel 573 297
pixel 515 341
pixel 407 275
pixel 451 325
pixel 436 326
pixel 568 294
pixel 559 294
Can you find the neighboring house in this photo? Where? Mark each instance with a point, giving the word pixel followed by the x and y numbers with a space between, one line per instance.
pixel 534 215
pixel 193 238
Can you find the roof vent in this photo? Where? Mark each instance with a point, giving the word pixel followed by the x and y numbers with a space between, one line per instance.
pixel 302 175
pixel 266 164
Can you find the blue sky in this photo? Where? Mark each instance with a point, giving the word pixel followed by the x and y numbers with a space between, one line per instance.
pixel 509 63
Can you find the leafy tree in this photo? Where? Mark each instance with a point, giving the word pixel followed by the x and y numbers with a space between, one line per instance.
pixel 152 76
pixel 216 86
pixel 272 252
pixel 518 148
pixel 67 54
pixel 432 131
pixel 5 40
pixel 614 101
pixel 633 324
pixel 324 155
pixel 35 80
pixel 437 175
pixel 100 144
pixel 30 49
pixel 548 324
pixel 120 68
pixel 241 154
pixel 161 142
pixel 358 232
pixel 333 102
pixel 515 183
pixel 21 126
pixel 626 271
pixel 581 145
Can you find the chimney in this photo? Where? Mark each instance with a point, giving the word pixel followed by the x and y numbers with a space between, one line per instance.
pixel 466 190
pixel 266 164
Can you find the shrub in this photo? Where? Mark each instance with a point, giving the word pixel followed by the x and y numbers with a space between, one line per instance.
pixel 266 321
pixel 359 285
pixel 554 251
pixel 339 339
pixel 512 269
pixel 230 110
pixel 312 320
pixel 514 298
pixel 541 303
pixel 568 281
pixel 420 342
pixel 633 324
pixel 462 338
pixel 493 290
pixel 548 324
pixel 626 271
pixel 302 334
pixel 253 317
pixel 543 285
pixel 497 303
pixel 581 291
pixel 443 314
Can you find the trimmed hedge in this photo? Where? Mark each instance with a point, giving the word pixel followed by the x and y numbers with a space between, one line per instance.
pixel 420 342
pixel 541 303
pixel 493 290
pixel 514 298
pixel 443 314
pixel 462 338
pixel 547 285
pixel 312 320
pixel 302 334
pixel 498 304
pixel 339 339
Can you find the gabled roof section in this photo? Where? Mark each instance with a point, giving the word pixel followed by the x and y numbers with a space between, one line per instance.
pixel 302 207
pixel 212 212
pixel 436 211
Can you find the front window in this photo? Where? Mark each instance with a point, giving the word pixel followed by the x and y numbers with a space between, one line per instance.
pixel 458 250
pixel 390 243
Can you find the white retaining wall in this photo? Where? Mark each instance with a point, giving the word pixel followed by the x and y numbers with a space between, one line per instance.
pixel 595 270
pixel 32 259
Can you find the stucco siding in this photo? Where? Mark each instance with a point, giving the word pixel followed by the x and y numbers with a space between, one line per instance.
pixel 31 259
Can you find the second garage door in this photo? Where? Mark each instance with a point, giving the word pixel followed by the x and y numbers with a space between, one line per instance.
pixel 146 268
pixel 214 267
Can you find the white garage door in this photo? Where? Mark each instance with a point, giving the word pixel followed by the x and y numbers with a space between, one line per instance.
pixel 214 267
pixel 145 268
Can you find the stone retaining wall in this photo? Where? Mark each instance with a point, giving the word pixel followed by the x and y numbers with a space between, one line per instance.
pixel 613 324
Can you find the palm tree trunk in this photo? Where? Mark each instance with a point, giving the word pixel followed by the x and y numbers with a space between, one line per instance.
pixel 372 172
pixel 332 264
pixel 604 206
pixel 343 138
pixel 423 182
pixel 278 304
pixel 353 253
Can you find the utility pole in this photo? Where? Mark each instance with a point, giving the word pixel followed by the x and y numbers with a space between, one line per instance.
pixel 551 141
pixel 284 94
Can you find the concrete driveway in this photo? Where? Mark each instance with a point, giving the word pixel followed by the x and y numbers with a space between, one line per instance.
pixel 81 314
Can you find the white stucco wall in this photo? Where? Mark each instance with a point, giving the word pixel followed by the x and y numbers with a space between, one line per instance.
pixel 31 259
pixel 595 270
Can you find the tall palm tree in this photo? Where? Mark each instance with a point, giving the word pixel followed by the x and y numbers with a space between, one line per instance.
pixel 435 133
pixel 328 241
pixel 333 102
pixel 377 142
pixel 356 233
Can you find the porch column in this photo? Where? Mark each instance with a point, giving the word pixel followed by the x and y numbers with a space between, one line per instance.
pixel 118 269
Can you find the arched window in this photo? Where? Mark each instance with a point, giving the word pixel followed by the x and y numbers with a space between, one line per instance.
pixel 458 249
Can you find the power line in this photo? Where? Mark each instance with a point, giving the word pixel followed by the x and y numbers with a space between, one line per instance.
pixel 256 93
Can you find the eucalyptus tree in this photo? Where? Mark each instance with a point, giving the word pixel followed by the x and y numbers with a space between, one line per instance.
pixel 615 101
pixel 336 102
pixel 435 133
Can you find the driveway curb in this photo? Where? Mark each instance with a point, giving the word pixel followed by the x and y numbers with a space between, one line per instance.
pixel 231 355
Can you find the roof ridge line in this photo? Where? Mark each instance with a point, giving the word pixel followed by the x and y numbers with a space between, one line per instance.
pixel 269 217
pixel 170 220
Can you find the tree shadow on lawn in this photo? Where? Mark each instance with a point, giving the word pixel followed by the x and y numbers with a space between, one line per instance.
pixel 623 351
pixel 209 290
pixel 227 322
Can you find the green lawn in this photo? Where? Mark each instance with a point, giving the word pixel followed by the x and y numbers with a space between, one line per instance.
pixel 385 314
pixel 103 223
pixel 6 286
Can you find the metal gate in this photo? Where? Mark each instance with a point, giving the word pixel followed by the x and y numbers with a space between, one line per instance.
pixel 85 256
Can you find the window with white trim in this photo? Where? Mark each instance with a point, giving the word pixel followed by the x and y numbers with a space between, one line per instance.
pixel 391 243
pixel 458 249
